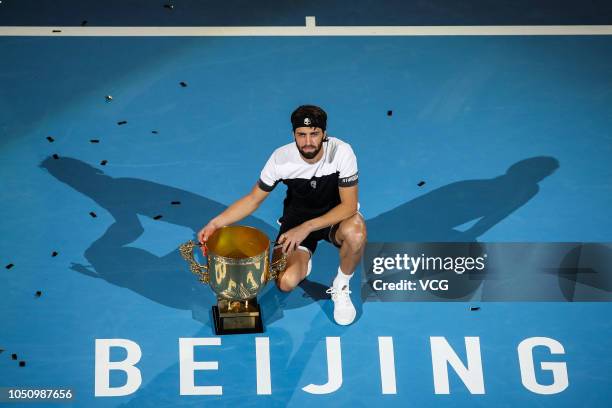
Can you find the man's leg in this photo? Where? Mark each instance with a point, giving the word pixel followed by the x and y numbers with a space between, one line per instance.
pixel 351 237
pixel 296 271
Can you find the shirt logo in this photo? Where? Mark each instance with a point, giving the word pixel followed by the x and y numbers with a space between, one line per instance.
pixel 313 183
pixel 307 121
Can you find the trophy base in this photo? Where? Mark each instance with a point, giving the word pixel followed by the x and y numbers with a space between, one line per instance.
pixel 230 318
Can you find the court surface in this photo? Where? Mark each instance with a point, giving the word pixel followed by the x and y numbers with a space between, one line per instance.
pixel 96 229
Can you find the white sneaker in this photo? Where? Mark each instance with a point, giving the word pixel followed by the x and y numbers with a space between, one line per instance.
pixel 344 311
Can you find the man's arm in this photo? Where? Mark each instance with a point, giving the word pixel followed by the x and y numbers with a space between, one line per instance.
pixel 344 210
pixel 240 209
pixel 347 208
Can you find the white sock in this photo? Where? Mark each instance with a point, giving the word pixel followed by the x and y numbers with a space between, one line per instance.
pixel 341 279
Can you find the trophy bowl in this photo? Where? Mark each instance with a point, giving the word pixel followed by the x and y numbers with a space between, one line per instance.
pixel 238 267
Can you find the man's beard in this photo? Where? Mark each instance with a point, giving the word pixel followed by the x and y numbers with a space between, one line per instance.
pixel 309 155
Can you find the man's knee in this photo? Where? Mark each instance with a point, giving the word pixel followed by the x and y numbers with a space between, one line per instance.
pixel 285 283
pixel 289 279
pixel 355 233
pixel 297 266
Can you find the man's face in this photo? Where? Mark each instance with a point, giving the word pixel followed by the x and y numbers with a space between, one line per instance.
pixel 309 141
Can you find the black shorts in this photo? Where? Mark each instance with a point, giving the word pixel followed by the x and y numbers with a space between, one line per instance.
pixel 310 242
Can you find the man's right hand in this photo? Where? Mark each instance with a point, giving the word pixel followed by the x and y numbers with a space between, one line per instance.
pixel 206 232
pixel 234 213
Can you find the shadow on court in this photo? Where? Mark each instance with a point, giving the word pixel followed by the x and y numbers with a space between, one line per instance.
pixel 167 280
pixel 434 216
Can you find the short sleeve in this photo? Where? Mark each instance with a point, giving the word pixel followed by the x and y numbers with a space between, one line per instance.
pixel 347 164
pixel 268 178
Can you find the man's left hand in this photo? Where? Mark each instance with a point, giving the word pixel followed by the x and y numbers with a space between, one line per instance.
pixel 292 238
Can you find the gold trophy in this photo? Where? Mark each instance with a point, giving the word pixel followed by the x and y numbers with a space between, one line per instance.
pixel 238 267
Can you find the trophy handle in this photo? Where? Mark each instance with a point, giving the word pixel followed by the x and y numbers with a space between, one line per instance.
pixel 186 251
pixel 277 266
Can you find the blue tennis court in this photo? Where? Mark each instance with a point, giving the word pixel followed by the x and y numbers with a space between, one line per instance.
pixel 479 138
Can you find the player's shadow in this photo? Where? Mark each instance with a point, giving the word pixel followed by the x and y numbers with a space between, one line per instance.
pixel 167 280
pixel 472 205
pixel 435 216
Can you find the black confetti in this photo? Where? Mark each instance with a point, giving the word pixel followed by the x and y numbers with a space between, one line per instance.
pixel 389 113
pixel 474 308
pixel 54 254
pixel 57 31
pixel 94 141
pixel 1 350
pixel 50 139
pixel 14 356
pixel 22 363
pixel 9 266
pixel 183 84
pixel 38 293
pixel 123 122
pixel 55 156
pixel 108 98
pixel 83 23
pixel 154 132
pixel 157 217
pixel 421 183
pixel 93 214
pixel 169 6
pixel 176 203
pixel 103 162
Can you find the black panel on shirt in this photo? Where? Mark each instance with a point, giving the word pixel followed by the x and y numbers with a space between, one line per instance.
pixel 310 198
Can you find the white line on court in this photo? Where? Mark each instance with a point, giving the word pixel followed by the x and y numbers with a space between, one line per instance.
pixel 309 30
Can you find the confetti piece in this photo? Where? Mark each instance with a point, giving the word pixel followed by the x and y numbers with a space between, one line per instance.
pixel 9 266
pixel 474 308
pixel 14 356
pixel 57 31
pixel 1 350
pixel 93 214
pixel 50 139
pixel 389 113
pixel 103 162
pixel 154 132
pixel 38 293
pixel 157 217
pixel 183 84
pixel 83 23
pixel 123 122
pixel 421 183
pixel 54 254
pixel 94 141
pixel 176 203
pixel 108 98
pixel 55 156
pixel 169 6
pixel 22 363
